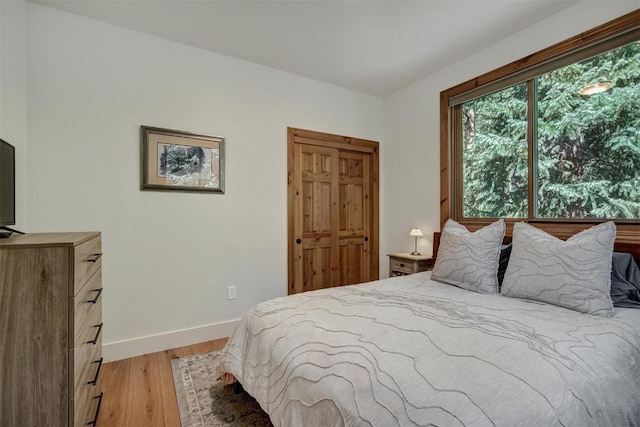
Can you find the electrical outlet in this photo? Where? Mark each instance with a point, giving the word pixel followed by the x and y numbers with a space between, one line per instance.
pixel 231 292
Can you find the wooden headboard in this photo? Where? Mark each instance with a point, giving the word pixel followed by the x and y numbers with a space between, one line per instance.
pixel 632 248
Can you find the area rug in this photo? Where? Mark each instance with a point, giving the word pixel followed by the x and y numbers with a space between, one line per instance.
pixel 205 401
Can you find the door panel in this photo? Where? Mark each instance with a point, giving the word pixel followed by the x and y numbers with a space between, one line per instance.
pixel 314 263
pixel 354 217
pixel 332 210
pixel 352 262
pixel 316 271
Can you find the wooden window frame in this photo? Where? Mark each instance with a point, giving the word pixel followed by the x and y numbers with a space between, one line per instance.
pixel 450 156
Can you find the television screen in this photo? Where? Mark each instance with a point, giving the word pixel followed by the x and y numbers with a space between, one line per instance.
pixel 7 184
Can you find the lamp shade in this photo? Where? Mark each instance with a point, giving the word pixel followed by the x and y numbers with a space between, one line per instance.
pixel 415 232
pixel 601 86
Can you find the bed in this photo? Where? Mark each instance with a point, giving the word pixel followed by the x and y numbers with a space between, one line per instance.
pixel 411 350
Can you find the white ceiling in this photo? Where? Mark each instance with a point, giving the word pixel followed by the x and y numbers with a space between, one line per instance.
pixel 375 47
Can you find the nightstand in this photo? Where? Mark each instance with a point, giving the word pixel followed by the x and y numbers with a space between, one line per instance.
pixel 401 264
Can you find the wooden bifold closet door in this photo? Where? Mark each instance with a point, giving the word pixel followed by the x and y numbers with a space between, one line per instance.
pixel 332 210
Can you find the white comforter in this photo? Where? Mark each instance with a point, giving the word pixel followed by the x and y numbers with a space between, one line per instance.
pixel 410 351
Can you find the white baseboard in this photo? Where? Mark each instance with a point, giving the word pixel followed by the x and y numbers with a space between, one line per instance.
pixel 150 344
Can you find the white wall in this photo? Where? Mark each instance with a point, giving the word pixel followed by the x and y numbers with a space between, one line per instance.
pixel 410 160
pixel 13 96
pixel 169 256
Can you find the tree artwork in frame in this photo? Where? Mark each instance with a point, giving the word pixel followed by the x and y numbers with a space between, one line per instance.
pixel 179 161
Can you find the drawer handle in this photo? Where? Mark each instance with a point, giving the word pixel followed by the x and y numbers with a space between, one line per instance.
pixel 401 264
pixel 95 379
pixel 95 258
pixel 95 418
pixel 95 300
pixel 95 340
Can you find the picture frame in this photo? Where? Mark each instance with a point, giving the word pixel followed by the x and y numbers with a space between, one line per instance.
pixel 174 160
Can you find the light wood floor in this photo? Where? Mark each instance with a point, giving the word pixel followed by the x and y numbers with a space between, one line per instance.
pixel 139 391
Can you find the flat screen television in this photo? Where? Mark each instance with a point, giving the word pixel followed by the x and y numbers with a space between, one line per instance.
pixel 7 184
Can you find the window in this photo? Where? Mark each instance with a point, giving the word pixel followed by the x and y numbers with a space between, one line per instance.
pixel 494 155
pixel 553 138
pixel 586 144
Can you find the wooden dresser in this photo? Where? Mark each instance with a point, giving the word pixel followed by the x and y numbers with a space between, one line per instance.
pixel 50 329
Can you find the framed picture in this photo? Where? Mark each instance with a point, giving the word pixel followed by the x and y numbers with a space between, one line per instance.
pixel 180 161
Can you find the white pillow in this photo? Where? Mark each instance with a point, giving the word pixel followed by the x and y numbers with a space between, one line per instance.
pixel 575 274
pixel 469 260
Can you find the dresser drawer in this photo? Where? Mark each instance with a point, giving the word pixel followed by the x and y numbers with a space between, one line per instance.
pixel 84 406
pixel 85 357
pixel 85 305
pixel 87 259
pixel 85 401
pixel 402 266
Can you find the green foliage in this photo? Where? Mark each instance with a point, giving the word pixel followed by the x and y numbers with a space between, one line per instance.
pixel 495 154
pixel 588 147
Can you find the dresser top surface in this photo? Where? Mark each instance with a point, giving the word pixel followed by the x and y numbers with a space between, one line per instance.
pixel 47 239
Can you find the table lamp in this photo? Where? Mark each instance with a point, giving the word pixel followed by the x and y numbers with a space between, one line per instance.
pixel 415 232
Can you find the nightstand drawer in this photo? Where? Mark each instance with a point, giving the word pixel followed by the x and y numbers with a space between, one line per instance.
pixel 402 266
